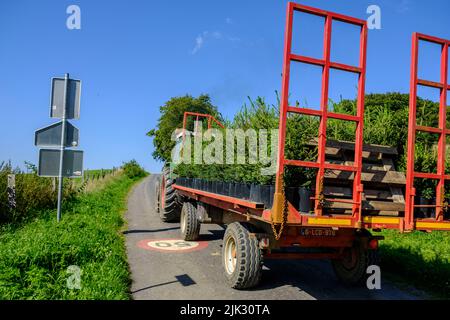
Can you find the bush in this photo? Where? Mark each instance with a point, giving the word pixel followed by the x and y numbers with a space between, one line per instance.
pixel 172 113
pixel 133 170
pixel 33 193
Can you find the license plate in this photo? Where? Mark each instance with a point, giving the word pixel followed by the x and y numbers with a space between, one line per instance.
pixel 318 232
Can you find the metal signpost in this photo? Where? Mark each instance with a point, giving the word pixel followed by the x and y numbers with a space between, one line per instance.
pixel 59 162
pixel 51 136
pixel 49 160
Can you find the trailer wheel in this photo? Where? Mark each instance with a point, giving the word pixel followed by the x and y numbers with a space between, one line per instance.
pixel 169 207
pixel 241 256
pixel 351 270
pixel 189 223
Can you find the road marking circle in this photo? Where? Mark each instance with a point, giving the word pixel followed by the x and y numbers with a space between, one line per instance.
pixel 172 245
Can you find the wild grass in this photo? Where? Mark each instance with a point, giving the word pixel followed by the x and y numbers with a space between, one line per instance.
pixel 421 258
pixel 32 194
pixel 35 256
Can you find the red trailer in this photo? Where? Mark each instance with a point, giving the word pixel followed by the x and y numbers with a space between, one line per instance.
pixel 338 226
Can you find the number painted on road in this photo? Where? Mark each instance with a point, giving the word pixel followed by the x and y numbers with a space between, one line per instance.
pixel 172 245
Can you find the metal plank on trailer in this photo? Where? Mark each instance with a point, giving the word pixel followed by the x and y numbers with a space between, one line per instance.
pixel 388 177
pixel 347 145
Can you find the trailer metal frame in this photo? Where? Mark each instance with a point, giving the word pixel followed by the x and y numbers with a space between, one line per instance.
pixel 356 220
pixel 323 113
pixel 438 223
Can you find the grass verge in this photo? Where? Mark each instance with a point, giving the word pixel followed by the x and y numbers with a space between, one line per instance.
pixel 421 258
pixel 35 257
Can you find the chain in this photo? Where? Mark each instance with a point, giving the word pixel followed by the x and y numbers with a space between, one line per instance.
pixel 278 233
pixel 321 196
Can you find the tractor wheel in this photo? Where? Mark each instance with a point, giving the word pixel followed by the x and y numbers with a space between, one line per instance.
pixel 169 207
pixel 157 195
pixel 241 256
pixel 351 269
pixel 189 223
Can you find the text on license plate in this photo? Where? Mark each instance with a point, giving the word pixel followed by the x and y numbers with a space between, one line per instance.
pixel 317 232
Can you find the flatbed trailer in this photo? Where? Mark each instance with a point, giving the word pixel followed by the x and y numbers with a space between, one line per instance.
pixel 256 232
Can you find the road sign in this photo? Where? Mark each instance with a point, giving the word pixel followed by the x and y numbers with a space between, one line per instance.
pixel 64 104
pixel 51 136
pixel 73 98
pixel 49 163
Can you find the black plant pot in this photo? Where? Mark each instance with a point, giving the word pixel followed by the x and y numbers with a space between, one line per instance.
pixel 237 190
pixel 230 189
pixel 290 194
pixel 447 212
pixel 244 191
pixel 421 212
pixel 209 186
pixel 432 211
pixel 219 187
pixel 304 200
pixel 255 193
pixel 426 212
pixel 265 195
pixel 271 194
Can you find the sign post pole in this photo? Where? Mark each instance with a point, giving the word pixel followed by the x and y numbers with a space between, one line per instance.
pixel 62 147
pixel 58 159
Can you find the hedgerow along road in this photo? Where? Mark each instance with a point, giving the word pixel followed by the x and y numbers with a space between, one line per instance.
pixel 165 267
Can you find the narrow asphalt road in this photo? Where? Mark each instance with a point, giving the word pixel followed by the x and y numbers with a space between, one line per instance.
pixel 199 274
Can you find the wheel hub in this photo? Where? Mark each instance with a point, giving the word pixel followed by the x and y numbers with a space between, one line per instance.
pixel 230 255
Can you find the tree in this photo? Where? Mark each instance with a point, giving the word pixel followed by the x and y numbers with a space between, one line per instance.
pixel 172 113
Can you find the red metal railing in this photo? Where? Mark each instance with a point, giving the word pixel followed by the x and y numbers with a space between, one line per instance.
pixel 326 64
pixel 442 130
pixel 198 116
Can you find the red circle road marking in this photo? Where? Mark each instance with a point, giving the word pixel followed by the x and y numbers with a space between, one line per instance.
pixel 172 245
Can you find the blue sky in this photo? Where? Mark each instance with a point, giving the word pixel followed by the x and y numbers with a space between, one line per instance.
pixel 132 56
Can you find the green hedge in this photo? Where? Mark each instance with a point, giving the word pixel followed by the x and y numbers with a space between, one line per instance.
pixel 386 123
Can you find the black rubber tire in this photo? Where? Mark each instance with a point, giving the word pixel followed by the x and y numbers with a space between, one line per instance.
pixel 249 259
pixel 190 225
pixel 355 273
pixel 171 210
pixel 157 195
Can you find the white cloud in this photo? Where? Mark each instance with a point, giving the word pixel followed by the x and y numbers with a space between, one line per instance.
pixel 233 39
pixel 198 44
pixel 404 6
pixel 216 35
pixel 206 36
